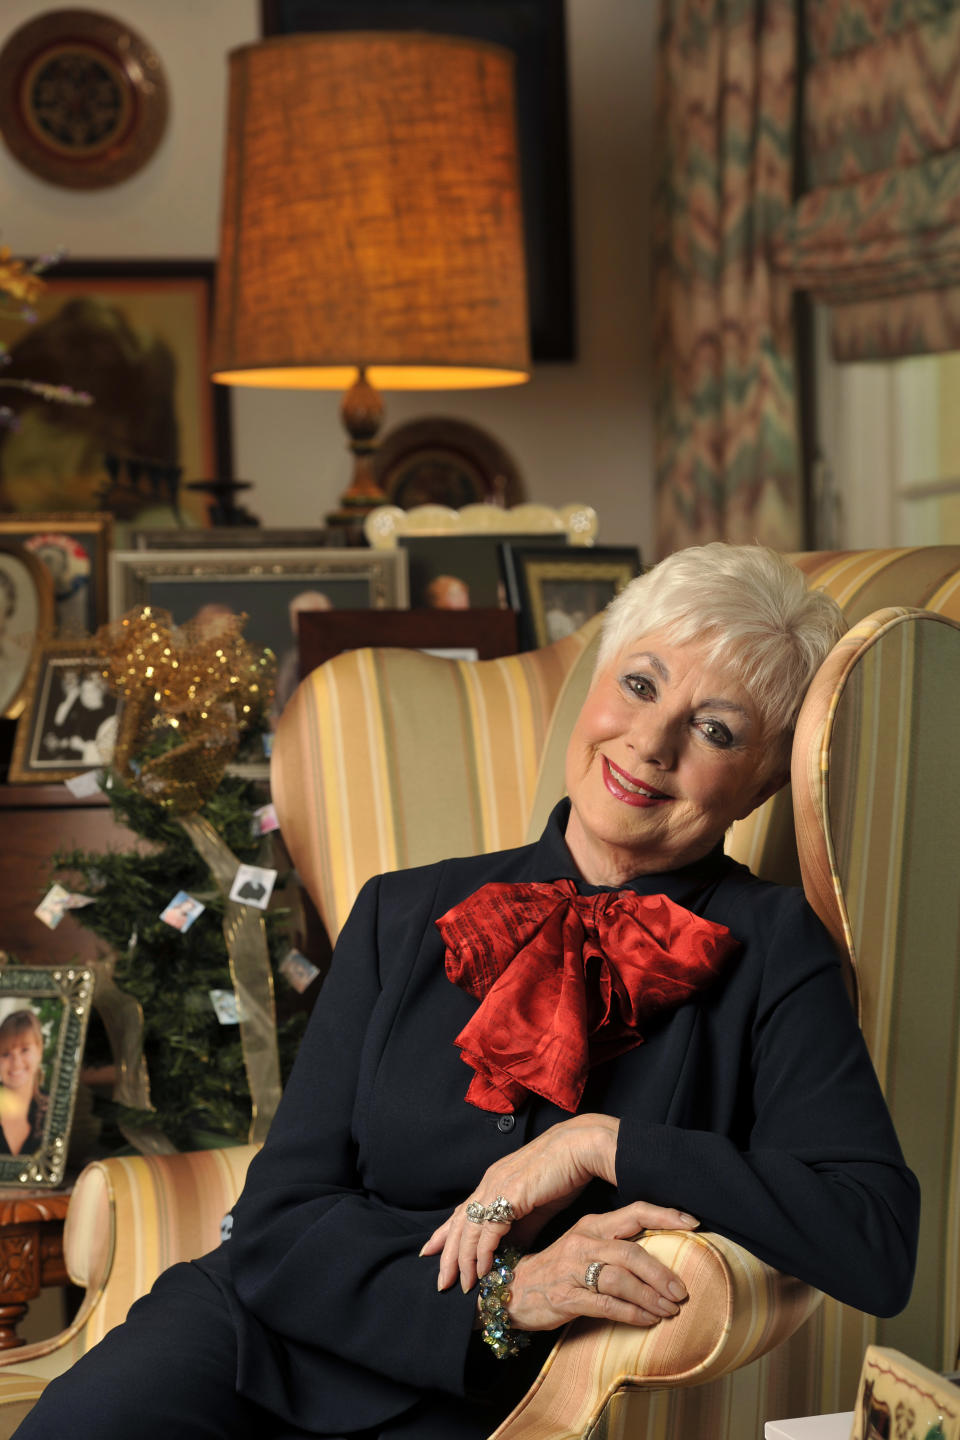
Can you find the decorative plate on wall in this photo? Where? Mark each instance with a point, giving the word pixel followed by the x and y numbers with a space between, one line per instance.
pixel 442 461
pixel 83 98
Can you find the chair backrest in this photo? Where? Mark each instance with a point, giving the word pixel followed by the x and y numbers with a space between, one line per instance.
pixel 876 786
pixel 389 758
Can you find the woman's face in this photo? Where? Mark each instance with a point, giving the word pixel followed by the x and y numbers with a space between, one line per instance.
pixel 20 1057
pixel 667 752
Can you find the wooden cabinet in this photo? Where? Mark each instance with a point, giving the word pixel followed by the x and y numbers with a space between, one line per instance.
pixel 36 821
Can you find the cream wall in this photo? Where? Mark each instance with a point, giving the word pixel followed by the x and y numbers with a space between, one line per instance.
pixel 578 432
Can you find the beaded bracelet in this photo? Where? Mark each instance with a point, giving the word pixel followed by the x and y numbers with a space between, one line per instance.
pixel 494 1299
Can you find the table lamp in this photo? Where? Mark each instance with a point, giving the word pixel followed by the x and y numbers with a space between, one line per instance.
pixel 371 230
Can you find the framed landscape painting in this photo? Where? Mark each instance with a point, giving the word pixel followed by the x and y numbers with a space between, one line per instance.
pixel 134 335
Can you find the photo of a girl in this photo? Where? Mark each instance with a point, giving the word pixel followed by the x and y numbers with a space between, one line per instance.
pixel 23 1102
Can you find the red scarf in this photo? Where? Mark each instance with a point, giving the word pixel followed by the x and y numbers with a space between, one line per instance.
pixel 566 981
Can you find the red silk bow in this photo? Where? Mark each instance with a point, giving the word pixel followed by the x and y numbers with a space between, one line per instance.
pixel 566 980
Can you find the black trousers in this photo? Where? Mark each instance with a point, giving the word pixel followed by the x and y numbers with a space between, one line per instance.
pixel 169 1373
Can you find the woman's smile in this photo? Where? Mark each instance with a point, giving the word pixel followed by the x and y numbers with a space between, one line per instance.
pixel 624 787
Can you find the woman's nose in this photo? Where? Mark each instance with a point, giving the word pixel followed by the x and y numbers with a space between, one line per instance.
pixel 654 741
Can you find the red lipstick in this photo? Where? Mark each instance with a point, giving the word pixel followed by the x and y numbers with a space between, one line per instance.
pixel 640 794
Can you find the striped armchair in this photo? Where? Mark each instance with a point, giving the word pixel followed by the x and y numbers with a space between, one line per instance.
pixel 386 759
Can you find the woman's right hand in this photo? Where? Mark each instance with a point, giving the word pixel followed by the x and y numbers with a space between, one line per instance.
pixel 548 1288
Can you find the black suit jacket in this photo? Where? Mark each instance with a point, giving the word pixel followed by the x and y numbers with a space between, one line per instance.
pixel 754 1108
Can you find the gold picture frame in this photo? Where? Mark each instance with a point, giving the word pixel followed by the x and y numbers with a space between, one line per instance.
pixel 71 722
pixel 26 620
pixel 54 1003
pixel 74 548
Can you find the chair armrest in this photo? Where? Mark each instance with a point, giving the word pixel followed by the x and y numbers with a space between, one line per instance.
pixel 739 1308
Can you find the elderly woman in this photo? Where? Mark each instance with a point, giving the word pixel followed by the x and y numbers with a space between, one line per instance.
pixel 549 1048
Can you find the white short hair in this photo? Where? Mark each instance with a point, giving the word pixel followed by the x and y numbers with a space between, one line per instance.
pixel 749 605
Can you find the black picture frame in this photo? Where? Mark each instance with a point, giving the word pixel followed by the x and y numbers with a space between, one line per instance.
pixel 53 743
pixel 441 568
pixel 534 30
pixel 574 584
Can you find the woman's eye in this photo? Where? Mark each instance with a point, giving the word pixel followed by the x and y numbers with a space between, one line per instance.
pixel 716 732
pixel 639 685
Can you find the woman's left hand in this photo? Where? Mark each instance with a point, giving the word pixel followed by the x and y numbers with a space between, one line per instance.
pixel 539 1179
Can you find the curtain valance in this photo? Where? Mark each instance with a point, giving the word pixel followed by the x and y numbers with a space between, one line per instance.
pixel 877 236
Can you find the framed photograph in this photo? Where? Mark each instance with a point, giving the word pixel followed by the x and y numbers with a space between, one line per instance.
pixel 70 721
pixel 534 30
pixel 44 1014
pixel 271 587
pixel 461 634
pixel 26 620
pixel 133 334
pixel 74 549
pixel 554 594
pixel 460 572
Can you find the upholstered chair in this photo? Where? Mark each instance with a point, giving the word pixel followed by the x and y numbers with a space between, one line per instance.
pixel 386 759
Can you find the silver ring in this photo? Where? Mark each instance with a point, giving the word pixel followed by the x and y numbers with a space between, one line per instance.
pixel 592 1275
pixel 501 1212
pixel 476 1213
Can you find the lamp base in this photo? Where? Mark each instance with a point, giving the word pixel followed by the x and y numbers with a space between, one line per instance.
pixel 361 411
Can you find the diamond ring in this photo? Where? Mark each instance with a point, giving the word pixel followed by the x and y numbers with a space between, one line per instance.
pixel 501 1212
pixel 592 1275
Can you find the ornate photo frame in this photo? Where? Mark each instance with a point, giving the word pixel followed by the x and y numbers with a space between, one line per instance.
pixel 44 1012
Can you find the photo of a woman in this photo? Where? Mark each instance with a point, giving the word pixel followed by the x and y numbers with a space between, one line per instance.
pixel 23 1102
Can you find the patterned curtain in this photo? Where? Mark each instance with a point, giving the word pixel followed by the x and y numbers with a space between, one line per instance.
pixel 726 431
pixel 878 235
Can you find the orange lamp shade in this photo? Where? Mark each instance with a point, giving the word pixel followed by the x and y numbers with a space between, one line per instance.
pixel 371 215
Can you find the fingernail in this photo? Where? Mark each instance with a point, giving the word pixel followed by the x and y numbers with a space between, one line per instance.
pixel 677 1290
pixel 439 1282
pixel 688 1219
pixel 420 1252
pixel 667 1309
pixel 464 1286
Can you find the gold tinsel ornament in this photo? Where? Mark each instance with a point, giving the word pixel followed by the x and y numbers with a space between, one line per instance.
pixel 191 690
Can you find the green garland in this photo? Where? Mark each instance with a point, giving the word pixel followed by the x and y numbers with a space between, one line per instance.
pixel 198 1085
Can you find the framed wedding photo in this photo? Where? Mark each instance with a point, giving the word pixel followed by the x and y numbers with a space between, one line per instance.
pixel 71 720
pixel 44 1014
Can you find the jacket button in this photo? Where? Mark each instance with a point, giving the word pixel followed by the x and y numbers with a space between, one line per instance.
pixel 506 1123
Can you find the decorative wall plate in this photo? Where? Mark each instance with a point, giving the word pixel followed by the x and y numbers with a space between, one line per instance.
pixel 440 460
pixel 83 98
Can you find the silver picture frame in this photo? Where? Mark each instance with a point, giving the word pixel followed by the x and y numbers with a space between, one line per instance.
pixel 263 584
pixel 56 1002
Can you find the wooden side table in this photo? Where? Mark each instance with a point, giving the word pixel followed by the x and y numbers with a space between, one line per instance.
pixel 31 1253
